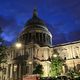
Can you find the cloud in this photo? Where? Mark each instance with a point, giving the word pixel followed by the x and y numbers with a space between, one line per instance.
pixel 10 28
pixel 7 21
pixel 64 15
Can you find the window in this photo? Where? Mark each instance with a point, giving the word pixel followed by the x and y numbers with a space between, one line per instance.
pixel 26 38
pixel 77 57
pixel 40 37
pixel 37 37
pixel 43 37
pixel 64 58
pixel 29 37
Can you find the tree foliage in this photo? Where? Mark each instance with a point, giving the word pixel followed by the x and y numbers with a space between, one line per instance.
pixel 72 73
pixel 56 65
pixel 38 69
pixel 1 40
pixel 2 47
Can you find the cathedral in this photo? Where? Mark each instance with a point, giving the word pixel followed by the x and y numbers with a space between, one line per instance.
pixel 36 48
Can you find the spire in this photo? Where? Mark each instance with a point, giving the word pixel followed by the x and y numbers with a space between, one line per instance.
pixel 35 14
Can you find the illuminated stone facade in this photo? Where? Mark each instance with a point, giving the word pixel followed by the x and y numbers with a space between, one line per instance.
pixel 37 47
pixel 70 52
pixel 21 61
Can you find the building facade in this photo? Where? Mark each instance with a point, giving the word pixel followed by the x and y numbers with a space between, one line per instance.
pixel 37 48
pixel 70 52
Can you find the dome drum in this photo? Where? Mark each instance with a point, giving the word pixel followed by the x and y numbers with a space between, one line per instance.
pixel 36 30
pixel 36 37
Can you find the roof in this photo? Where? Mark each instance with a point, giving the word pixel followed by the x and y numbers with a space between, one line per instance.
pixel 35 19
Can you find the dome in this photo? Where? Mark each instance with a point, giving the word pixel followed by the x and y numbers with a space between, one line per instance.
pixel 35 19
pixel 36 31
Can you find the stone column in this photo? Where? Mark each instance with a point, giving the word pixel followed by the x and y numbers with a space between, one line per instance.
pixel 30 69
pixel 15 71
pixel 7 72
pixel 50 40
pixel 11 71
pixel 19 71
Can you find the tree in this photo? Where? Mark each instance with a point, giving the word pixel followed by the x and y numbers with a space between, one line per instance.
pixel 72 73
pixel 2 47
pixel 1 40
pixel 38 69
pixel 56 65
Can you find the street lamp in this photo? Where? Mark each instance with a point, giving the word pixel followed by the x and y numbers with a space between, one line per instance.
pixel 15 67
pixel 55 55
pixel 30 62
pixel 18 45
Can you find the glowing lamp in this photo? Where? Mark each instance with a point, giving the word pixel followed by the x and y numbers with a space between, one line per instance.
pixel 55 55
pixel 18 45
pixel 30 62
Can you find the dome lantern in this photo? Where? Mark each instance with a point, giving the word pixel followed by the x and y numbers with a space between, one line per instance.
pixel 35 14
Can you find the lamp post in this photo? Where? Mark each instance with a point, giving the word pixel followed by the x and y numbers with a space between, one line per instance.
pixel 18 46
pixel 30 63
pixel 22 58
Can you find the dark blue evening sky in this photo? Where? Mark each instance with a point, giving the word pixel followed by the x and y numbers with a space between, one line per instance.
pixel 61 16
